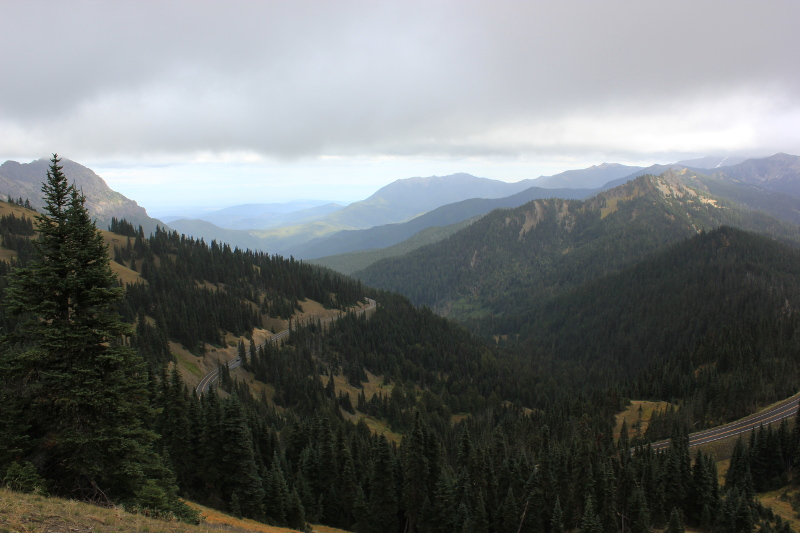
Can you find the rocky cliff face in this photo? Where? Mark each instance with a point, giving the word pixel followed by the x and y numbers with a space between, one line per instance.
pixel 24 180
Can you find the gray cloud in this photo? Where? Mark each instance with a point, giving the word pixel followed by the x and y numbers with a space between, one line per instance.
pixel 289 79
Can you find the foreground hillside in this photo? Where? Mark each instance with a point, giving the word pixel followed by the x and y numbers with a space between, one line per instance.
pixel 28 512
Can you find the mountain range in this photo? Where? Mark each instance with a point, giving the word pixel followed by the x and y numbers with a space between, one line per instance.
pixel 398 202
pixel 676 286
pixel 314 230
pixel 511 258
pixel 264 216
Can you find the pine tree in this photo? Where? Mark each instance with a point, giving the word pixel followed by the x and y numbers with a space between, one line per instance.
pixel 557 522
pixel 238 461
pixel 415 475
pixel 675 523
pixel 383 496
pixel 82 392
pixel 590 523
pixel 277 494
pixel 509 517
pixel 295 514
pixel 639 514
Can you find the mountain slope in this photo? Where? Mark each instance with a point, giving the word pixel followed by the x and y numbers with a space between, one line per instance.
pixel 716 283
pixel 407 198
pixel 779 173
pixel 264 216
pixel 508 259
pixel 399 201
pixel 586 178
pixel 24 180
pixel 201 229
pixel 712 162
pixel 350 262
pixel 390 234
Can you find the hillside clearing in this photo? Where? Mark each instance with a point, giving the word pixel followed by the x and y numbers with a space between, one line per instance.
pixel 637 416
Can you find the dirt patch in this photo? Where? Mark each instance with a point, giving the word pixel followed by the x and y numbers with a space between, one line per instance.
pixel 216 518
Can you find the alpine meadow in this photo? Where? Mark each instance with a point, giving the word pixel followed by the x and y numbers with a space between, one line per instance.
pixel 389 268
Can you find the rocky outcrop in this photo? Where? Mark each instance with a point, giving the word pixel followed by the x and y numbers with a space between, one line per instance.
pixel 24 180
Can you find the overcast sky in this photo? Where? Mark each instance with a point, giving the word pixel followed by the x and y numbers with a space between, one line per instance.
pixel 218 103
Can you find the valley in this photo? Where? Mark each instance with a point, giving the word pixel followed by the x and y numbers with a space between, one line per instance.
pixel 469 381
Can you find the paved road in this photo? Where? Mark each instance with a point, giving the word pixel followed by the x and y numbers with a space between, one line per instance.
pixel 785 409
pixel 236 362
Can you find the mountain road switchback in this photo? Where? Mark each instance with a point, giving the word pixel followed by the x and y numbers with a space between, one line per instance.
pixel 236 362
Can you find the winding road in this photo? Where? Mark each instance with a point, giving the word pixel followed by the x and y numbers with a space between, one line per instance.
pixel 236 362
pixel 775 413
pixel 785 409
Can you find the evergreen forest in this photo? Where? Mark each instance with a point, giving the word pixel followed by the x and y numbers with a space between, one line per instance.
pixel 501 424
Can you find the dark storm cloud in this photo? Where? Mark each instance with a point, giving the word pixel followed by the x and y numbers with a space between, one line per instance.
pixel 449 78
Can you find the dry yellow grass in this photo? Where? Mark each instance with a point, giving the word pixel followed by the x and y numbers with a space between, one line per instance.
pixel 7 255
pixel 375 426
pixel 371 387
pixel 460 417
pixel 125 274
pixel 639 412
pixel 216 518
pixel 778 501
pixel 7 209
pixel 27 513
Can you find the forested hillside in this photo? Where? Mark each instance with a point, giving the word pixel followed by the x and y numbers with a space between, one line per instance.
pixel 389 234
pixel 716 312
pixel 511 259
pixel 403 420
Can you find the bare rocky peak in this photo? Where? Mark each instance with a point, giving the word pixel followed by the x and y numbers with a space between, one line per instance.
pixel 24 180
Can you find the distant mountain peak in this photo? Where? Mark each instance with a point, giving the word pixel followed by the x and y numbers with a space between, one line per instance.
pixel 592 177
pixel 24 180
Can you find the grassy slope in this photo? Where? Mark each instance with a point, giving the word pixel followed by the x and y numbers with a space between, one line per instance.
pixel 32 513
pixel 636 420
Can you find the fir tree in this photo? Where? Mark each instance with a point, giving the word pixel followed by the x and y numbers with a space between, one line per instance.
pixel 81 391
pixel 383 496
pixel 639 514
pixel 557 522
pixel 277 495
pixel 590 523
pixel 238 461
pixel 415 475
pixel 675 523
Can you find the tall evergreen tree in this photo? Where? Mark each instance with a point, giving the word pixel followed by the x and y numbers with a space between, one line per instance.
pixel 675 523
pixel 557 522
pixel 383 496
pixel 82 392
pixel 639 514
pixel 415 475
pixel 590 523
